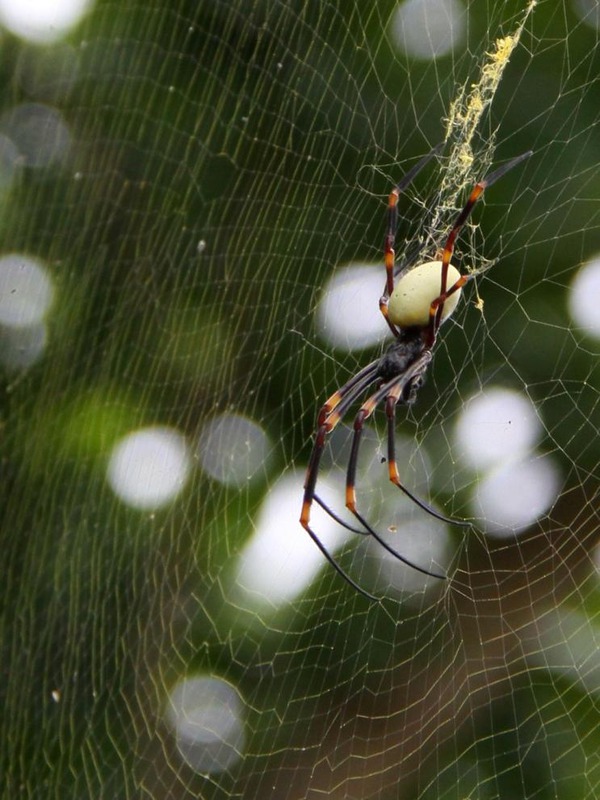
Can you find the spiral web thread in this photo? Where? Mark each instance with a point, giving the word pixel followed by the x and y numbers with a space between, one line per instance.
pixel 169 631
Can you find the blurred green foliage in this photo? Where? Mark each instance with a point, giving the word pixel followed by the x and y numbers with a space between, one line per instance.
pixel 226 158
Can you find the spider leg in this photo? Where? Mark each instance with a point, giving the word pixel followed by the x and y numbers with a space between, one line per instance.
pixel 336 566
pixel 335 516
pixel 437 307
pixel 390 409
pixel 392 226
pixel 309 496
pixel 336 398
pixel 329 416
pixel 416 369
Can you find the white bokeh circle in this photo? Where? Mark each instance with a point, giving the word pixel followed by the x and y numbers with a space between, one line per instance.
pixel 149 467
pixel 233 449
pixel 40 132
pixel 26 290
pixel 348 315
pixel 206 715
pixel 496 425
pixel 42 20
pixel 584 297
pixel 511 498
pixel 429 29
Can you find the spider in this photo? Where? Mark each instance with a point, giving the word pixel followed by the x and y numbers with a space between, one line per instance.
pixel 415 302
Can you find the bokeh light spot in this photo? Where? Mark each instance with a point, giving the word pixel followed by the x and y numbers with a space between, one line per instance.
pixel 26 290
pixel 588 11
pixel 422 540
pixel 514 496
pixel 429 29
pixel 40 133
pixel 232 449
pixel 22 347
pixel 348 315
pixel 494 426
pixel 148 468
pixel 280 560
pixel 10 159
pixel 584 295
pixel 42 20
pixel 206 714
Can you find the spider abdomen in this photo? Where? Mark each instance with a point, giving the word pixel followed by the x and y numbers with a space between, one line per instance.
pixel 416 290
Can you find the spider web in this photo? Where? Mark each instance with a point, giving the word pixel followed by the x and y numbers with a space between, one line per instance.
pixel 183 184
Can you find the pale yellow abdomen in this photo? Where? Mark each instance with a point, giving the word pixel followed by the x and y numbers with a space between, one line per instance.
pixel 415 291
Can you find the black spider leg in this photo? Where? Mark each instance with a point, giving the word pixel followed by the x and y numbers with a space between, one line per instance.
pixel 392 399
pixel 399 383
pixel 333 411
pixel 390 236
pixel 340 571
pixel 332 403
pixel 329 416
pixel 335 516
pixel 412 173
pixel 413 251
pixel 437 307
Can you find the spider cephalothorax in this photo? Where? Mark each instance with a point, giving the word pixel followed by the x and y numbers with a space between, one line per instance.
pixel 401 353
pixel 415 302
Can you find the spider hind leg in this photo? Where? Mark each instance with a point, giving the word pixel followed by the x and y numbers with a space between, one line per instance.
pixel 394 474
pixel 391 391
pixel 341 572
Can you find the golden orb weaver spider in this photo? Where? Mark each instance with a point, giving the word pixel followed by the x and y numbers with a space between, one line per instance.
pixel 415 302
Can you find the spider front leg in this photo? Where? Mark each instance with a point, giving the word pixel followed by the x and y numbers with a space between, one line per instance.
pixel 437 307
pixel 390 236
